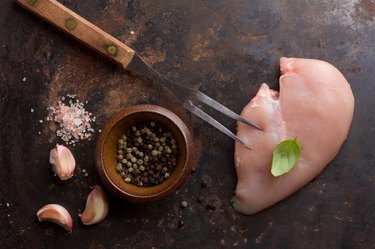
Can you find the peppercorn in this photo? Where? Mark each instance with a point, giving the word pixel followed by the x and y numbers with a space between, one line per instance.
pixel 184 204
pixel 154 153
pixel 204 184
pixel 119 168
pixel 210 206
pixel 180 224
pixel 147 153
pixel 200 199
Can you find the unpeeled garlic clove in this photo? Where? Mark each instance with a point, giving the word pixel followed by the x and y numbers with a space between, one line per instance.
pixel 96 207
pixel 57 214
pixel 63 162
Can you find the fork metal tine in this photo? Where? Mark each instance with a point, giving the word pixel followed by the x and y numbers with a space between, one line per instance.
pixel 221 108
pixel 186 94
pixel 191 107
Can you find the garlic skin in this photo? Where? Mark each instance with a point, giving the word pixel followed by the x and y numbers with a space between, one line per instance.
pixel 56 214
pixel 63 162
pixel 96 207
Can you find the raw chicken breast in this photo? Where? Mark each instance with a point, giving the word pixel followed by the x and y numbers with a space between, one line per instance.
pixel 315 105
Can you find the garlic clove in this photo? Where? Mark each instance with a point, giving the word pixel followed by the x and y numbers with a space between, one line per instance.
pixel 57 214
pixel 96 207
pixel 63 162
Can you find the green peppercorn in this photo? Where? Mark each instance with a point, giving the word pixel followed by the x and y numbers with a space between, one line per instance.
pixel 120 142
pixel 124 161
pixel 120 152
pixel 127 179
pixel 134 128
pixel 120 157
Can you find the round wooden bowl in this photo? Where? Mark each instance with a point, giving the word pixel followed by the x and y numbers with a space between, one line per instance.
pixel 106 153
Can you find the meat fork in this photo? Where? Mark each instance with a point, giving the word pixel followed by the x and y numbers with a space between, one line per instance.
pixel 108 46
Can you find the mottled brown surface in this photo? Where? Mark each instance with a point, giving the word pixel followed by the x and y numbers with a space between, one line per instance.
pixel 226 49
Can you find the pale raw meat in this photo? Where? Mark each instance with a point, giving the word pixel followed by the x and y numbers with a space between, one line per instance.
pixel 315 105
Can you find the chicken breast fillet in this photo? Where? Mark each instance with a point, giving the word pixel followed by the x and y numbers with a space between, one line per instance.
pixel 315 105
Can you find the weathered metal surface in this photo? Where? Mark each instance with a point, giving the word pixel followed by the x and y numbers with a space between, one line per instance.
pixel 226 48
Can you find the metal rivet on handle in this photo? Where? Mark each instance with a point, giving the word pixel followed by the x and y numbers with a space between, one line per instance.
pixel 70 24
pixel 31 1
pixel 111 50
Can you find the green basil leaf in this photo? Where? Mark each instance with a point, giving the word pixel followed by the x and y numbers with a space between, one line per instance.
pixel 285 156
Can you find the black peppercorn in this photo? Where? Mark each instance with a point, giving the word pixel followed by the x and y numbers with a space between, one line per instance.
pixel 180 224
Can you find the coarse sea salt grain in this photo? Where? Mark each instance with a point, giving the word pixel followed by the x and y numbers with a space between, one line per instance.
pixel 74 121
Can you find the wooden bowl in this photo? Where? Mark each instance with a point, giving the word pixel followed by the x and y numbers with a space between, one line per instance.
pixel 106 153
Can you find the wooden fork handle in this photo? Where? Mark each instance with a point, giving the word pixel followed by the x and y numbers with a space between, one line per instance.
pixel 81 29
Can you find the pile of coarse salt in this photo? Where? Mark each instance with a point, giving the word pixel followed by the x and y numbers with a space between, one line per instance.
pixel 74 121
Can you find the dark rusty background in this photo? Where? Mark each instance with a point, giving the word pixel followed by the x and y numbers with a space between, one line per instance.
pixel 227 49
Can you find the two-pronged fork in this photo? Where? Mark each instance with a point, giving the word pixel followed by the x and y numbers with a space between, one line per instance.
pixel 105 44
